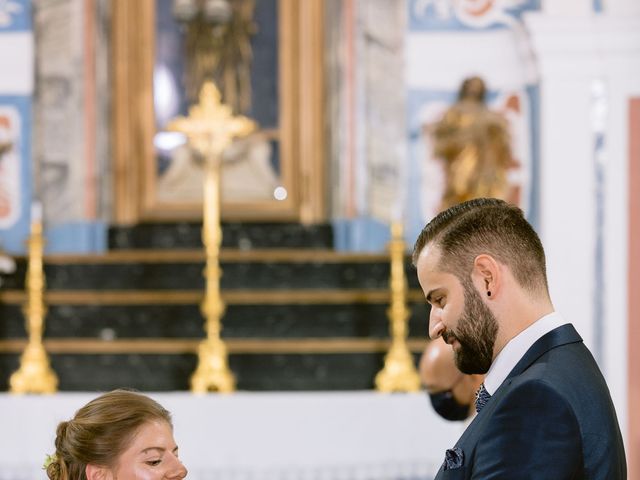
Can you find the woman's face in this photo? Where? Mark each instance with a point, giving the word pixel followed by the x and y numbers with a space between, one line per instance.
pixel 152 455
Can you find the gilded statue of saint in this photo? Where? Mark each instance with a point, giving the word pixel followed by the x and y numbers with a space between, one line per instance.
pixel 474 144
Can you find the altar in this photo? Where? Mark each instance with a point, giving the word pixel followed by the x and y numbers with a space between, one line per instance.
pixel 260 436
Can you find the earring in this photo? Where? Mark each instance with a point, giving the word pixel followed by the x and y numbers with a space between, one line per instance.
pixel 488 293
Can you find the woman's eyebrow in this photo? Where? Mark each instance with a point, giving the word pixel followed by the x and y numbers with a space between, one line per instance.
pixel 160 449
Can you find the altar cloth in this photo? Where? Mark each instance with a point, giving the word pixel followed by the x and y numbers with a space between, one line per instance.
pixel 260 436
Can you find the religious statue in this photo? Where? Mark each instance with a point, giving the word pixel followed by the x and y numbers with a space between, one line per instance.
pixel 218 46
pixel 216 36
pixel 473 142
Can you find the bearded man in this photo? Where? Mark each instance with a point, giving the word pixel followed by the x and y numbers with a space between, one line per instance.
pixel 544 409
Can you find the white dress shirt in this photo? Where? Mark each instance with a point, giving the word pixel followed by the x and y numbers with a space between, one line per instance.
pixel 515 349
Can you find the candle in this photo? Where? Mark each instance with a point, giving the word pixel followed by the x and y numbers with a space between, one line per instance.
pixel 36 212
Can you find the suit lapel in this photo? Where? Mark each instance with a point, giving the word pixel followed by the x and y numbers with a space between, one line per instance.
pixel 555 338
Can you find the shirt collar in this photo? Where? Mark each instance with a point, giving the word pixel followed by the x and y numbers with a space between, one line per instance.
pixel 515 349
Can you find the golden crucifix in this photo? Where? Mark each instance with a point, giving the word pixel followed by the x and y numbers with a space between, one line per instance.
pixel 210 128
pixel 399 373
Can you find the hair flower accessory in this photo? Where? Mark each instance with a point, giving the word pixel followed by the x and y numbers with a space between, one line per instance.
pixel 48 460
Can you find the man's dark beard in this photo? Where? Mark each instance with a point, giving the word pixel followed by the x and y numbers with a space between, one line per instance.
pixel 476 333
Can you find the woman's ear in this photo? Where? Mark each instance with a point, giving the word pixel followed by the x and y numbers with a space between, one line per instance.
pixel 94 472
pixel 486 275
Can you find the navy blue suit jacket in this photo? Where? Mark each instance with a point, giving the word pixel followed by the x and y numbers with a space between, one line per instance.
pixel 551 419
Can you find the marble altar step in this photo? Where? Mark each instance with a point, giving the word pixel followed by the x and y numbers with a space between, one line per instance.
pixel 244 236
pixel 296 319
pixel 312 319
pixel 269 269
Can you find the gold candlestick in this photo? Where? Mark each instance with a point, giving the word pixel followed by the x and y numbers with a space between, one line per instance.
pixel 210 128
pixel 34 375
pixel 399 373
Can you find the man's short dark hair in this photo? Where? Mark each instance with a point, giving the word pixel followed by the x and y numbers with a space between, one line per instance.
pixel 486 226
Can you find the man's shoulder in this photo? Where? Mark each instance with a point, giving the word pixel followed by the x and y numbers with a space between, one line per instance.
pixel 571 360
pixel 566 368
pixel 571 375
pixel 537 387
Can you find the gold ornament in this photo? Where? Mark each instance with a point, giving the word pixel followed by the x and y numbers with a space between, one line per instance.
pixel 399 373
pixel 210 128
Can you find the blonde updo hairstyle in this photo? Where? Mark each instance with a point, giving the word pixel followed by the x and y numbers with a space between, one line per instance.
pixel 100 432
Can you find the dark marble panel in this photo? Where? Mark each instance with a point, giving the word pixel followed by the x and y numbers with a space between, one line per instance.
pixel 235 275
pixel 8 365
pixel 106 372
pixel 234 235
pixel 16 279
pixel 306 372
pixel 172 372
pixel 12 322
pixel 239 321
pixel 126 276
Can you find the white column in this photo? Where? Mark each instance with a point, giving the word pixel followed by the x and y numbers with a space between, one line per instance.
pixel 565 8
pixel 574 52
pixel 622 7
pixel 16 55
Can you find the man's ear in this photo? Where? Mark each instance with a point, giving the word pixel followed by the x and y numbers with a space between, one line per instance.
pixel 487 275
pixel 94 472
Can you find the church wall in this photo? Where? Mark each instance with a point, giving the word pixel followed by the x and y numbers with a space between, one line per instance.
pixel 71 135
pixel 575 67
pixel 590 66
pixel 446 43
pixel 426 55
pixel 64 145
pixel 16 97
pixel 365 60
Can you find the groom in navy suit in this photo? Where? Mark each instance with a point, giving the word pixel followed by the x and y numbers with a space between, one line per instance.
pixel 544 409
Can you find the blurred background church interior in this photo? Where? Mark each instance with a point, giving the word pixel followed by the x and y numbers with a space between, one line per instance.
pixel 312 137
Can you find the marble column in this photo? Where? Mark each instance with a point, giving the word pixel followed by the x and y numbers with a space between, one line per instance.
pixel 71 139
